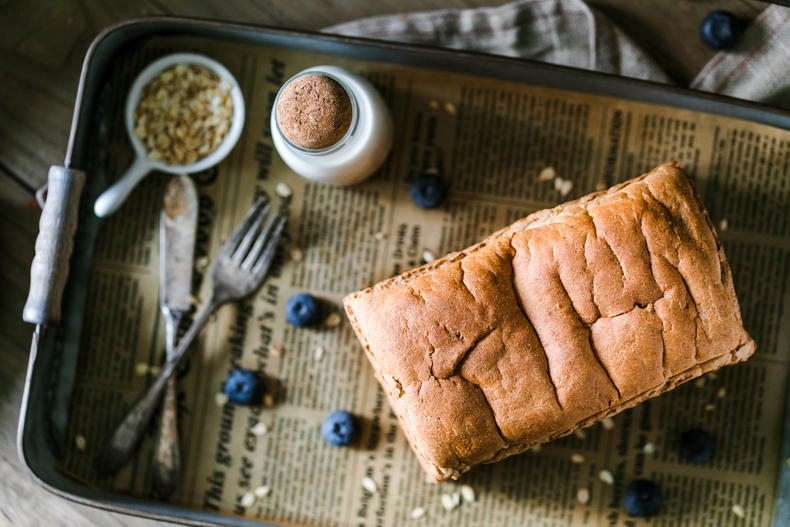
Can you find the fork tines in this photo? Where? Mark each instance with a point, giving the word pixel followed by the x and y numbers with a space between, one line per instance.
pixel 253 243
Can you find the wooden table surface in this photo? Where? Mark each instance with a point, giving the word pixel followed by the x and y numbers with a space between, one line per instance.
pixel 42 44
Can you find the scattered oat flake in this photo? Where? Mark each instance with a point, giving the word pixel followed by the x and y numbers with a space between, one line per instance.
pixel 710 407
pixel 535 448
pixel 268 400
pixel 607 423
pixel 141 368
pixel 581 434
pixel 577 458
pixel 369 485
pixel 606 477
pixel 449 108
pixel 259 429
pixel 649 448
pixel 283 190
pixel 564 186
pixel 447 502
pixel 583 495
pixel 201 263
pixel 296 254
pixel 468 493
pixel 428 255
pixel 417 513
pixel 333 320
pixel 276 350
pixel 434 104
pixel 547 174
pixel 738 511
pixel 713 375
pixel 262 491
pixel 247 500
pixel 379 235
pixel 723 224
pixel 721 393
pixel 318 352
pixel 80 442
pixel 699 383
pixel 600 186
pixel 221 398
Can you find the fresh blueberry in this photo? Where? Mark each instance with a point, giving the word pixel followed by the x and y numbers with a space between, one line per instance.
pixel 302 310
pixel 243 386
pixel 696 446
pixel 339 428
pixel 720 29
pixel 428 191
pixel 642 498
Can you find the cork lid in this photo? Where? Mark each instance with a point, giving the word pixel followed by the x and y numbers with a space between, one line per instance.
pixel 313 111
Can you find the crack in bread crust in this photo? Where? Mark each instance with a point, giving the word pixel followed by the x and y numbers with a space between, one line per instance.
pixel 432 324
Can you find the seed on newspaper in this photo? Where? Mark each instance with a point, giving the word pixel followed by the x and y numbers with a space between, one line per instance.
pixel 607 423
pixel 80 442
pixel 723 224
pixel 710 407
pixel 369 485
pixel 699 383
pixel 467 493
pixel 141 368
pixel 296 254
pixel 577 458
pixel 581 434
pixel 283 190
pixel 379 235
pixel 583 495
pixel 738 511
pixel 535 448
pixel 318 353
pixel 247 500
pixel 417 513
pixel 547 174
pixel 606 477
pixel 275 350
pixel 428 255
pixel 649 448
pixel 721 393
pixel 449 108
pixel 259 429
pixel 333 320
pixel 221 398
pixel 262 491
pixel 434 104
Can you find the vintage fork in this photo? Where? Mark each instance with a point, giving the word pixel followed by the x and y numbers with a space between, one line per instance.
pixel 238 271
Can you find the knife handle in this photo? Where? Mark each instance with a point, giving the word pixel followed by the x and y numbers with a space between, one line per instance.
pixel 50 268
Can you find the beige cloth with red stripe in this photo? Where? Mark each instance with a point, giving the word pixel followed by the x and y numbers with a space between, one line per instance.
pixel 570 33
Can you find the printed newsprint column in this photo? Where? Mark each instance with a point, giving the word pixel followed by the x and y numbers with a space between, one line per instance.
pixel 506 150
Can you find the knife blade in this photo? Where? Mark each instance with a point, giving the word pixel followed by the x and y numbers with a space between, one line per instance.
pixel 177 228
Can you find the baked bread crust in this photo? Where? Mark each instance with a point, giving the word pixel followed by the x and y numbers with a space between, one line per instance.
pixel 565 317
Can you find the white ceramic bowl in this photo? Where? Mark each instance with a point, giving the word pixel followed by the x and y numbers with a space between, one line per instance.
pixel 113 197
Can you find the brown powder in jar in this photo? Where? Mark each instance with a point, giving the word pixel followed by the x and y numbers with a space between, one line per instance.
pixel 314 111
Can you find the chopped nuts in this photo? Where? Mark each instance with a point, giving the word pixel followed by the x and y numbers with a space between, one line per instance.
pixel 699 383
pixel 184 114
pixel 268 400
pixel 564 186
pixel 221 398
pixel 283 190
pixel 607 423
pixel 434 104
pixel 379 235
pixel 417 513
pixel 318 353
pixel 583 495
pixel 275 350
pixel 649 448
pixel 369 485
pixel 80 442
pixel 723 224
pixel 710 407
pixel 577 458
pixel 259 429
pixel 451 501
pixel 721 393
pixel 247 500
pixel 468 493
pixel 428 255
pixel 600 186
pixel 449 108
pixel 580 434
pixel 738 511
pixel 262 491
pixel 606 477
pixel 429 480
pixel 141 368
pixel 296 254
pixel 535 449
pixel 547 174
pixel 333 320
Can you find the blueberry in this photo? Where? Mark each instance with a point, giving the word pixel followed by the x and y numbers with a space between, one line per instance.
pixel 339 428
pixel 696 445
pixel 302 310
pixel 720 29
pixel 642 498
pixel 243 386
pixel 428 191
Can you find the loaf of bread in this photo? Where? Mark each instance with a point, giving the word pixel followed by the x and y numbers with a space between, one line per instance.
pixel 565 317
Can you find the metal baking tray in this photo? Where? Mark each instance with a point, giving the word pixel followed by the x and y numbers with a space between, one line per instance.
pixel 36 448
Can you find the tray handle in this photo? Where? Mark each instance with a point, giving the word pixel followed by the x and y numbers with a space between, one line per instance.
pixel 55 241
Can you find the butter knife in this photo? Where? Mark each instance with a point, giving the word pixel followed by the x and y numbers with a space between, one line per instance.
pixel 177 226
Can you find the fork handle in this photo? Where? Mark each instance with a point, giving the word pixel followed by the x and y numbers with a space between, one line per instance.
pixel 127 435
